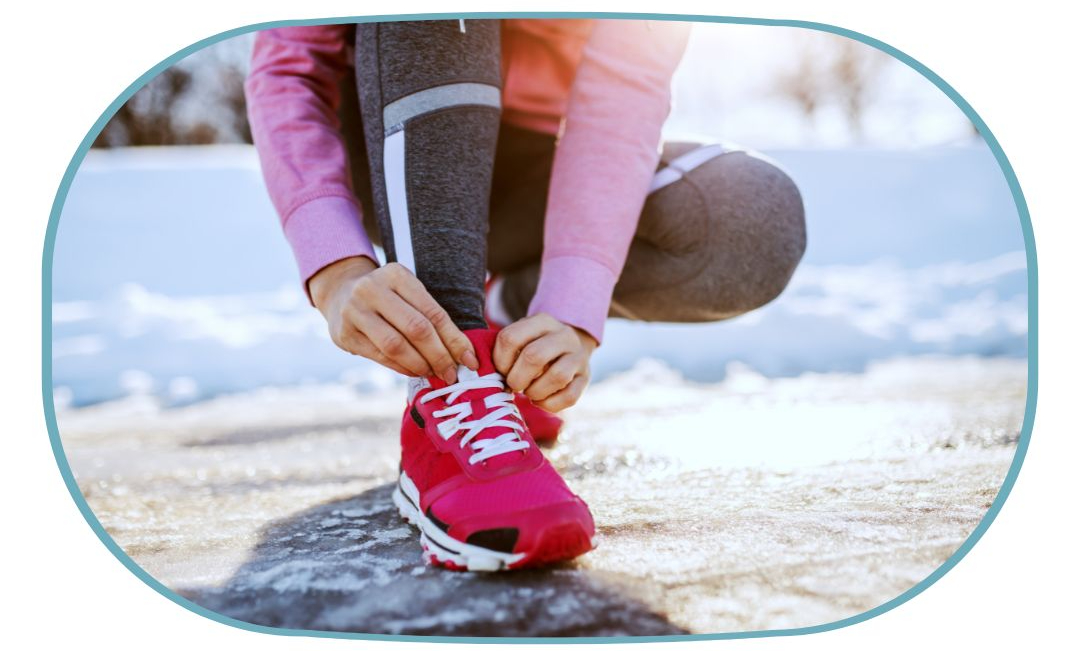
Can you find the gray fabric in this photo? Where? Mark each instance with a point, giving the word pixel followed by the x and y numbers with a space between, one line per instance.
pixel 720 241
pixel 449 149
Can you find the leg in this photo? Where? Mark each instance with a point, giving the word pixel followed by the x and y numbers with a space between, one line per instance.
pixel 721 234
pixel 471 478
pixel 429 99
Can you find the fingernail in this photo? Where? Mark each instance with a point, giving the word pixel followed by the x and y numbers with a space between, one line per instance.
pixel 448 375
pixel 470 360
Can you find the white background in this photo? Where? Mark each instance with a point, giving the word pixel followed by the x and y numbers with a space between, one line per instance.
pixel 65 62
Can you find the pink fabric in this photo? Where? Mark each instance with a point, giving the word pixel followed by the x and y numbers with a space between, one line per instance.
pixel 610 79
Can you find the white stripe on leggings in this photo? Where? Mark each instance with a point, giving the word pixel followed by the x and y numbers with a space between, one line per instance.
pixel 403 109
pixel 678 167
pixel 394 173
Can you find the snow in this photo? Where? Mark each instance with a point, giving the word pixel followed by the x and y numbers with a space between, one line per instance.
pixel 171 278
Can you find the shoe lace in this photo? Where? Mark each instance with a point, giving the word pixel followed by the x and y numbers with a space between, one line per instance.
pixel 500 406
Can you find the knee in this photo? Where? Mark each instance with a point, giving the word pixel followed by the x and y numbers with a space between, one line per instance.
pixel 757 232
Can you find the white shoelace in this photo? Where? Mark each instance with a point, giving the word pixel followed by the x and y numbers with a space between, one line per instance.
pixel 501 405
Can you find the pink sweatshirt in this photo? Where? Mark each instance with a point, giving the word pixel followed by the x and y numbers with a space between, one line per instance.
pixel 605 84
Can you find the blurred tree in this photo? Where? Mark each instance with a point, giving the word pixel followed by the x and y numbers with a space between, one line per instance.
pixel 833 73
pixel 232 84
pixel 853 74
pixel 197 101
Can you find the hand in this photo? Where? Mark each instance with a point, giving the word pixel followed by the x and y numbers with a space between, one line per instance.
pixel 386 315
pixel 545 359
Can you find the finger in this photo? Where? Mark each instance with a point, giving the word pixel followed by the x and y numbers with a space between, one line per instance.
pixel 515 337
pixel 349 339
pixel 353 341
pixel 568 397
pixel 453 339
pixel 555 378
pixel 391 343
pixel 365 348
pixel 421 334
pixel 534 360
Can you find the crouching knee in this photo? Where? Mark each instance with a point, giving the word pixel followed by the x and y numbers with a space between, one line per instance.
pixel 757 233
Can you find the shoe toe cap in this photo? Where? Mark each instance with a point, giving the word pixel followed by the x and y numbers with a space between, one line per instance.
pixel 525 530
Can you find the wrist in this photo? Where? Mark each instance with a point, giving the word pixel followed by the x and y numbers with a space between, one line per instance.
pixel 324 284
pixel 587 341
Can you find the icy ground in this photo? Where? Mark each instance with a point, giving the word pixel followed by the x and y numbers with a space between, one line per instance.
pixel 751 504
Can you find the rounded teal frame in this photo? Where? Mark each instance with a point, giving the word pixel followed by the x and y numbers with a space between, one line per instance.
pixel 965 547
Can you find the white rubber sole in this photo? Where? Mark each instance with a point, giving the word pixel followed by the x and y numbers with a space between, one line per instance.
pixel 440 548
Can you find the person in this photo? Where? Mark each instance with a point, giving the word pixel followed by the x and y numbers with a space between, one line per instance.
pixel 515 178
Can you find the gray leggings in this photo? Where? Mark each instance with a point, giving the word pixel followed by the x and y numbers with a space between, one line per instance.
pixel 450 192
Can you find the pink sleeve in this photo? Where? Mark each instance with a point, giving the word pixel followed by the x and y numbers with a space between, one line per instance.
pixel 292 97
pixel 604 164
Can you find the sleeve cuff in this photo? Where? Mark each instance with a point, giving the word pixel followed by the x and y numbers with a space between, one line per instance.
pixel 576 291
pixel 323 231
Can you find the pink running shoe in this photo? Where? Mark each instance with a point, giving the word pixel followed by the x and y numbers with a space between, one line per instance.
pixel 473 481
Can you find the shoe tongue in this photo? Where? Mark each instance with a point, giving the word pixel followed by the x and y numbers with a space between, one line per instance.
pixel 483 341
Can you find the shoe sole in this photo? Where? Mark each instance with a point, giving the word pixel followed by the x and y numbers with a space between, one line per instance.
pixel 556 544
